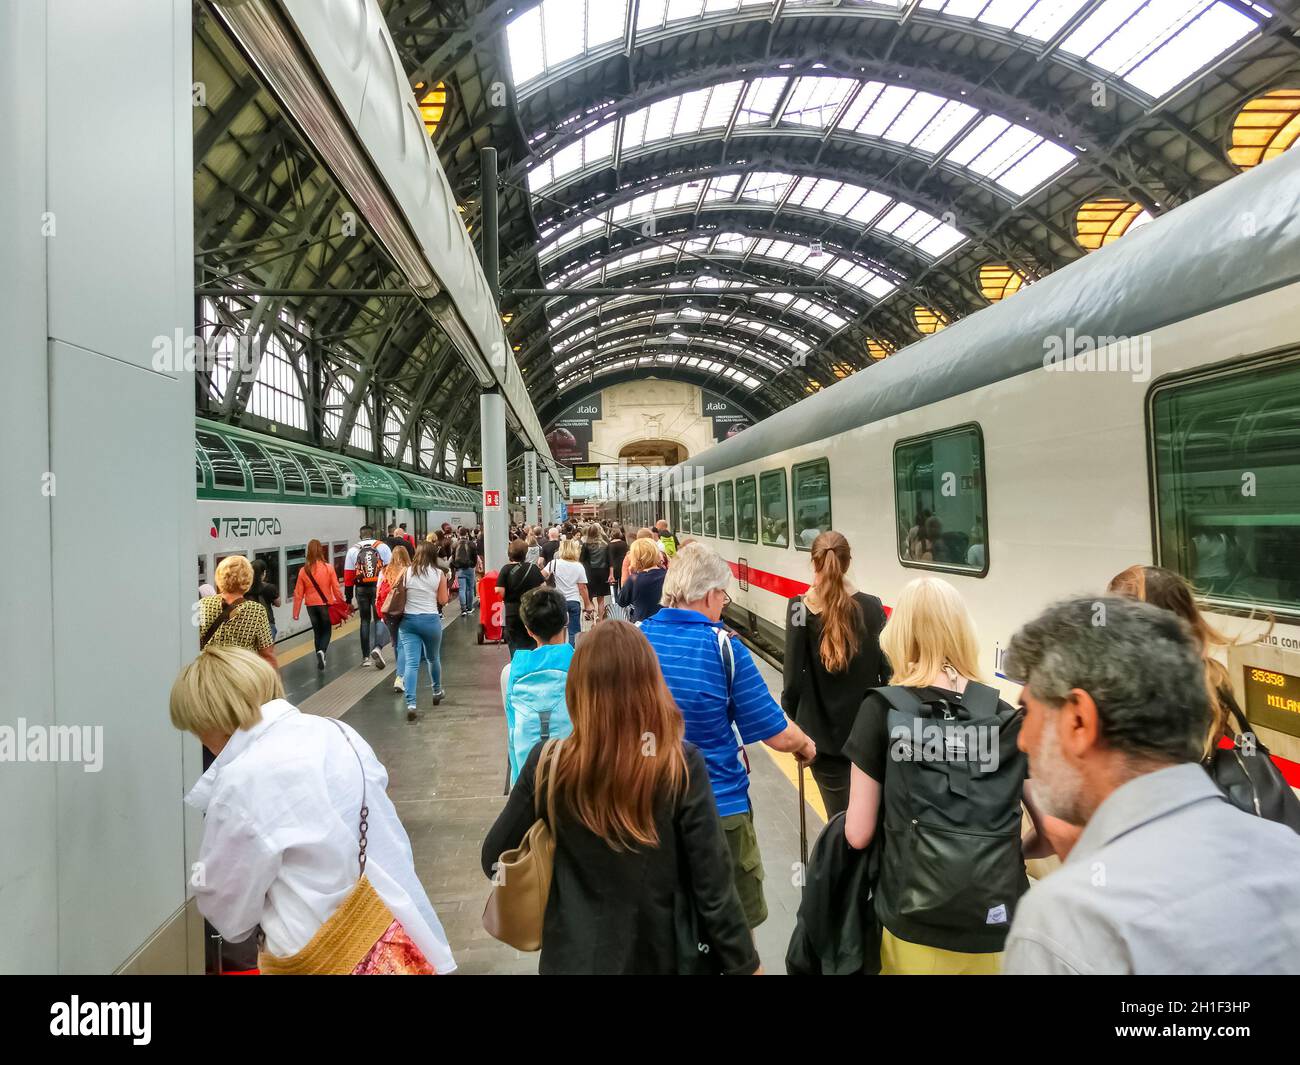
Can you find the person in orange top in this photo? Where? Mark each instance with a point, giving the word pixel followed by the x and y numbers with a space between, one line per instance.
pixel 317 587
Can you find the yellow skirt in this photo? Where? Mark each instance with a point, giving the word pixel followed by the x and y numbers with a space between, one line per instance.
pixel 901 958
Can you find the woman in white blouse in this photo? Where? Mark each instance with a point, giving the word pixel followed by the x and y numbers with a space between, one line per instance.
pixel 281 837
pixel 569 576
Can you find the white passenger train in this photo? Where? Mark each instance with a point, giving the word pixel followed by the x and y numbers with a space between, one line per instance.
pixel 266 498
pixel 1139 406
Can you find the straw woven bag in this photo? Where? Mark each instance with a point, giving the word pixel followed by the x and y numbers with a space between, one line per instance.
pixel 516 909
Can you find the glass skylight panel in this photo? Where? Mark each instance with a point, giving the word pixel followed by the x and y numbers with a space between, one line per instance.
pixel 814 101
pixel 868 206
pixel 596 146
pixel 1012 143
pixel 1123 34
pixel 1193 48
pixel 760 100
pixel 920 109
pixel 951 120
pixel 1045 161
pixel 546 36
pixel 884 109
pixel 766 187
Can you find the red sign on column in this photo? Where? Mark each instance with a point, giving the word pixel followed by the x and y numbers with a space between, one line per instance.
pixel 492 500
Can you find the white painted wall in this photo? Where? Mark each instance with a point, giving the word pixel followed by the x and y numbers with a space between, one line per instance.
pixel 96 128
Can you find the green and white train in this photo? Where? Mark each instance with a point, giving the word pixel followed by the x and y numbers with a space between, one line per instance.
pixel 265 498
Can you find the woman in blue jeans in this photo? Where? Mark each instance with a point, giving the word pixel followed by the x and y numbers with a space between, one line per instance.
pixel 570 579
pixel 420 632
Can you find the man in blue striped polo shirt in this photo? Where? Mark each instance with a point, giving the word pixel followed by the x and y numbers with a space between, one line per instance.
pixel 724 702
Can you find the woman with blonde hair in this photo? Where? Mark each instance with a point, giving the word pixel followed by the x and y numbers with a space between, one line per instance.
pixel 300 838
pixel 937 768
pixel 1251 784
pixel 637 835
pixel 228 619
pixel 642 591
pixel 388 579
pixel 832 656
pixel 569 576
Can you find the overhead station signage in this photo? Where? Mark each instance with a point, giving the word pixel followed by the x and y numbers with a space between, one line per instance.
pixel 586 471
pixel 474 475
pixel 570 436
pixel 727 418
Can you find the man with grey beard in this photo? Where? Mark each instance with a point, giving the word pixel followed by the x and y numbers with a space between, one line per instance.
pixel 1167 876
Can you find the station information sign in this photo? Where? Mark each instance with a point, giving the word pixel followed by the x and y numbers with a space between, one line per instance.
pixel 586 471
pixel 474 475
pixel 1272 699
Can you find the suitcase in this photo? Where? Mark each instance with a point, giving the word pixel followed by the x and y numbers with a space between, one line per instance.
pixel 491 610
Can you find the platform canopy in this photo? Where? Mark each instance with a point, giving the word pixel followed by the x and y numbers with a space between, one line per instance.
pixel 761 197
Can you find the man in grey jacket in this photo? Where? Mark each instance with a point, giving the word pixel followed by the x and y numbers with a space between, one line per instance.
pixel 1167 876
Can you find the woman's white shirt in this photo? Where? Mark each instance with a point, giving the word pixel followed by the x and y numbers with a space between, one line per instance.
pixel 422 591
pixel 282 804
pixel 568 575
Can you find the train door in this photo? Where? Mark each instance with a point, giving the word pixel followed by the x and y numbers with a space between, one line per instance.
pixel 340 557
pixel 376 517
pixel 420 519
pixel 294 560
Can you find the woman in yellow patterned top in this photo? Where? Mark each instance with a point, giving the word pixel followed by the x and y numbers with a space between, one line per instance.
pixel 227 619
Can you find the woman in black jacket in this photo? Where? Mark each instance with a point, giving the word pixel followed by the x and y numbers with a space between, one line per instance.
pixel 832 657
pixel 642 871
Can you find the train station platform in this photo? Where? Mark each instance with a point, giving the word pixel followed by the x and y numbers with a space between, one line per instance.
pixel 447 778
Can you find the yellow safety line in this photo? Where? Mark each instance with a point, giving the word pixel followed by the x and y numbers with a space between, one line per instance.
pixel 789 767
pixel 308 646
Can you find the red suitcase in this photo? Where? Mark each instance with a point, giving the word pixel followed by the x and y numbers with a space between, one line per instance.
pixel 491 610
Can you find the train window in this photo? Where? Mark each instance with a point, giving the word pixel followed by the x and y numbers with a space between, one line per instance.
pixel 264 479
pixel 294 560
pixel 199 472
pixel 226 470
pixel 1226 449
pixel 726 510
pixel 315 477
pixel 811 482
pixel 746 510
pixel 334 474
pixel 710 510
pixel 290 473
pixel 776 511
pixel 340 557
pixel 940 501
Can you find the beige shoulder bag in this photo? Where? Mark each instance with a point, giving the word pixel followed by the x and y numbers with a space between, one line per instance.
pixel 521 883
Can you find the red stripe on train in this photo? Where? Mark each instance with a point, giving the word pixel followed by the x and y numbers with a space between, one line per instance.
pixel 788 589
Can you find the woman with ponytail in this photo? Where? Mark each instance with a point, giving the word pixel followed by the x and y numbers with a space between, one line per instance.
pixel 832 656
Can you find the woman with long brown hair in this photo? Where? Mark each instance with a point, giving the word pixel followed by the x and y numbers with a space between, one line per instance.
pixel 1258 789
pixel 391 574
pixel 638 841
pixel 419 633
pixel 832 657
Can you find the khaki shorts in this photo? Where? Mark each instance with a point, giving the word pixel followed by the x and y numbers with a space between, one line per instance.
pixel 746 865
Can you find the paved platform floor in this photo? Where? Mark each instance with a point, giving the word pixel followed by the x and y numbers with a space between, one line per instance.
pixel 447 775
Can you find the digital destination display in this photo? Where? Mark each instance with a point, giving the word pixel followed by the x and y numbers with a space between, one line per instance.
pixel 474 475
pixel 588 471
pixel 1272 699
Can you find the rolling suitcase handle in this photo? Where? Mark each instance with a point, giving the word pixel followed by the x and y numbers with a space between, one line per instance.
pixel 803 826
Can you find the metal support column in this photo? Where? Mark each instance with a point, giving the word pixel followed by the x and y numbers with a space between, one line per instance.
pixel 492 405
pixel 496 500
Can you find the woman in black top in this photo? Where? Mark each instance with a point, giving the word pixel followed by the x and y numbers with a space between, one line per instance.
pixel 517 577
pixel 832 658
pixel 617 552
pixel 595 558
pixel 265 593
pixel 642 871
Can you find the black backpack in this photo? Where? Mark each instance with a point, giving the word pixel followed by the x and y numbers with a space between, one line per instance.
pixel 369 563
pixel 952 869
pixel 464 557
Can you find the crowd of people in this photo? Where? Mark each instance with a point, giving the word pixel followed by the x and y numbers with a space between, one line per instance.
pixel 1124 760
